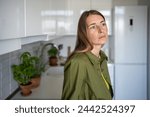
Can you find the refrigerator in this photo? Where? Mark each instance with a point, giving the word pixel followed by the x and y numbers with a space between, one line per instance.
pixel 130 52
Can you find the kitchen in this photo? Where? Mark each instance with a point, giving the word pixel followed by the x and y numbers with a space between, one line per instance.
pixel 58 31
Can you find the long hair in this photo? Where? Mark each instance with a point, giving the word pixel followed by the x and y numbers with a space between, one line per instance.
pixel 83 44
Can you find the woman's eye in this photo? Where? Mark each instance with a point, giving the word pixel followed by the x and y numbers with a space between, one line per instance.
pixel 104 24
pixel 93 27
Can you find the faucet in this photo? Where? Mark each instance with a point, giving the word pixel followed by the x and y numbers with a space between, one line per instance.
pixel 43 47
pixel 42 50
pixel 41 53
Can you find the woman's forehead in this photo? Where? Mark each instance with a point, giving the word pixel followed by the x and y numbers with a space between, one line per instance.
pixel 94 19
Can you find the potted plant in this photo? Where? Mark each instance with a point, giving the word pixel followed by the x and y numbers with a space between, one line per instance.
pixel 23 72
pixel 38 69
pixel 52 52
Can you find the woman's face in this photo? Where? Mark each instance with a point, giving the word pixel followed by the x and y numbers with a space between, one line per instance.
pixel 96 29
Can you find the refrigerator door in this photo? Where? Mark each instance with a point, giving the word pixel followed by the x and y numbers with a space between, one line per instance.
pixel 130 34
pixel 111 73
pixel 130 82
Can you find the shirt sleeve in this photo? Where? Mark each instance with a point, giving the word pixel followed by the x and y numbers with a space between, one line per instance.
pixel 74 74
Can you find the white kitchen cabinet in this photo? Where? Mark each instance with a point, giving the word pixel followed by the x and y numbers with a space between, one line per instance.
pixel 105 7
pixel 37 16
pixel 11 19
pixel 76 7
pixel 11 25
pixel 46 17
pixel 60 17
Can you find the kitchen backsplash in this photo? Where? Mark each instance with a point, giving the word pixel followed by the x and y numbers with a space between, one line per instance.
pixel 7 83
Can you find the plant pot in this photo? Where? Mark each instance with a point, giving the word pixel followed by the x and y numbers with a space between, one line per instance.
pixel 53 61
pixel 26 89
pixel 35 82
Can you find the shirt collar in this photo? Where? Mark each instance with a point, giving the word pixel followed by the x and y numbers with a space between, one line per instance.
pixel 94 59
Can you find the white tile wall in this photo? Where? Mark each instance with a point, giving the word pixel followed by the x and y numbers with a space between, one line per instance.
pixel 13 60
pixel 69 40
pixel 5 76
pixel 7 84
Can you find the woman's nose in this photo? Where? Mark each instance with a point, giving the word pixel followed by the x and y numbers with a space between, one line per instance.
pixel 100 28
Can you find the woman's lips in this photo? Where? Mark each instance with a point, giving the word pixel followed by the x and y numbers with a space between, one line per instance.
pixel 103 36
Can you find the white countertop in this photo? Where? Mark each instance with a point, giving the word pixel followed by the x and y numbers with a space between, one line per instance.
pixel 50 87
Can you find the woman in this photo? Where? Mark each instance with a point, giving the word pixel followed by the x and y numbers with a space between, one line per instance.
pixel 86 74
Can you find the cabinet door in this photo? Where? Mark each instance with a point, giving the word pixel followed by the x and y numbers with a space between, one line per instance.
pixel 61 16
pixel 11 19
pixel 105 7
pixel 76 7
pixel 38 15
pixel 130 82
pixel 46 17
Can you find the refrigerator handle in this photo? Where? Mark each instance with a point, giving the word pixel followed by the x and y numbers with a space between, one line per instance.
pixel 131 21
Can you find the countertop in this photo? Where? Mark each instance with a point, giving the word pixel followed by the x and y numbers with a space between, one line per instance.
pixel 50 86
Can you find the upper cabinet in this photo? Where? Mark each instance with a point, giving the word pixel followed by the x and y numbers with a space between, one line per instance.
pixel 46 17
pixel 37 17
pixel 11 25
pixel 19 18
pixel 105 7
pixel 60 17
pixel 11 19
pixel 76 7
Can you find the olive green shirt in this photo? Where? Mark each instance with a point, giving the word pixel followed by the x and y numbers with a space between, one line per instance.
pixel 83 79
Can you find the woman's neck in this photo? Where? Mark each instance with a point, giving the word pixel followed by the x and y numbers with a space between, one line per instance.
pixel 96 50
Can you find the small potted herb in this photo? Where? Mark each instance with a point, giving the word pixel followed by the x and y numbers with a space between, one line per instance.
pixel 38 69
pixel 28 72
pixel 23 72
pixel 53 52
